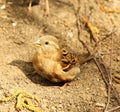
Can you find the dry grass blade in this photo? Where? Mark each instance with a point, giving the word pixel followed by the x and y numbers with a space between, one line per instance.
pixel 109 10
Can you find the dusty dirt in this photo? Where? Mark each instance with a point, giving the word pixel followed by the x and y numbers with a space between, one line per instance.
pixel 19 29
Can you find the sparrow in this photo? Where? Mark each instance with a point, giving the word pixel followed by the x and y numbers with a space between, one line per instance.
pixel 47 61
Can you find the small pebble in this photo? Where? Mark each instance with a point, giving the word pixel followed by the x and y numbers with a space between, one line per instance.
pixel 14 24
pixel 3 7
pixel 100 104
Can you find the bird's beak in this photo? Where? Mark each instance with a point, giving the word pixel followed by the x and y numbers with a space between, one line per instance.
pixel 37 43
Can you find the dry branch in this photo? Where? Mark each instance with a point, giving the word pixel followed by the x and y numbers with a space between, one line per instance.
pixel 106 75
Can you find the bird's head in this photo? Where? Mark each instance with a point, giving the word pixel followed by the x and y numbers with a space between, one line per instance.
pixel 47 41
pixel 48 47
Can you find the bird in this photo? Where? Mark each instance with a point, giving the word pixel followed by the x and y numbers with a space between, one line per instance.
pixel 47 60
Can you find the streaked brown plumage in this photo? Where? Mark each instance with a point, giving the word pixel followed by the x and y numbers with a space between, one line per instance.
pixel 47 61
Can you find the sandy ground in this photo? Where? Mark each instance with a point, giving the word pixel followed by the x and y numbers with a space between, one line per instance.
pixel 19 29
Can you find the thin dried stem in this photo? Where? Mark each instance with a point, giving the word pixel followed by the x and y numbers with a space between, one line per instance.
pixel 108 35
pixel 110 76
pixel 113 109
pixel 106 75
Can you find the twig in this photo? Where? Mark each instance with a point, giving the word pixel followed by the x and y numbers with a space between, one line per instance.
pixel 106 75
pixel 110 76
pixel 108 35
pixel 102 68
pixel 102 53
pixel 113 109
pixel 104 72
pixel 109 10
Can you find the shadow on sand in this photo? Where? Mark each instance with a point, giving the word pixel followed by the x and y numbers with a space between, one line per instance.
pixel 28 70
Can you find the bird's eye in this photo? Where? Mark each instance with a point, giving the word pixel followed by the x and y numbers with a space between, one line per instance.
pixel 46 43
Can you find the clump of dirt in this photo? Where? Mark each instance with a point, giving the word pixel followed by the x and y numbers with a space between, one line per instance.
pixel 19 29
